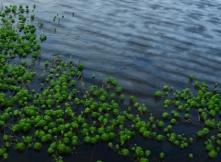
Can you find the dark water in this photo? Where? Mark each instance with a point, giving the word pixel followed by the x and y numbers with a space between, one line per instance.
pixel 144 44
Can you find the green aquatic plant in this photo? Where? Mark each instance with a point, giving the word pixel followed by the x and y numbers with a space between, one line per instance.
pixel 2 151
pixel 80 66
pixel 190 155
pixel 212 154
pixel 191 76
pixel 125 152
pixel 43 37
pixel 162 155
pixel 173 121
pixel 165 115
pixel 41 23
pixel 161 123
pixel 20 146
pixel 165 87
pixel 119 89
pixel 132 98
pixel 160 137
pixel 37 145
pixel 158 93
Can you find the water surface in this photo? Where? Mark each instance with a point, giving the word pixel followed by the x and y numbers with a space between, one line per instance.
pixel 143 44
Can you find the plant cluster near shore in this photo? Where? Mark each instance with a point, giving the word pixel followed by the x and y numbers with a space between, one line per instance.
pixel 62 113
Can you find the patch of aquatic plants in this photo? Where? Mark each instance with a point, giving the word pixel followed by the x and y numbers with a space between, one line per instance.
pixel 63 113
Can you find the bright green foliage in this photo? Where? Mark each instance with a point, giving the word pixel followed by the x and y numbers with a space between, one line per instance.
pixel 61 147
pixel 27 139
pixel 93 140
pixel 160 137
pixel 80 66
pixel 210 123
pixel 50 150
pixel 2 151
pixel 165 87
pixel 87 139
pixel 173 121
pixel 104 137
pixel 165 115
pixel 125 152
pixel 212 154
pixel 119 89
pixel 162 155
pixel 191 76
pixel 132 98
pixel 167 102
pixel 160 123
pixel 147 134
pixel 37 146
pixel 110 144
pixel 143 159
pixel 20 146
pixel 147 152
pixel 191 156
pixel 138 151
pixel 158 93
pixel 6 137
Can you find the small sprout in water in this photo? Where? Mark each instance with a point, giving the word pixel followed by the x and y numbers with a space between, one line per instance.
pixel 160 123
pixel 43 37
pixel 173 121
pixel 20 146
pixel 34 6
pixel 37 146
pixel 80 66
pixel 147 152
pixel 62 16
pixel 119 89
pixel 212 154
pixel 191 76
pixel 72 13
pixel 110 144
pixel 5 155
pixel 191 156
pixel 162 155
pixel 41 23
pixel 122 97
pixel 165 115
pixel 165 87
pixel 46 63
pixel 132 98
pixel 125 152
pixel 158 93
pixel 32 17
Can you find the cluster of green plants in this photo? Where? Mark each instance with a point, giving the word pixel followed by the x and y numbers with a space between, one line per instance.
pixel 62 113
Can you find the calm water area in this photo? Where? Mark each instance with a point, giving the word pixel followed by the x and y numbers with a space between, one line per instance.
pixel 144 45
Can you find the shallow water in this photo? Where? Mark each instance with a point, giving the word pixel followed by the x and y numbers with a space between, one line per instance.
pixel 143 44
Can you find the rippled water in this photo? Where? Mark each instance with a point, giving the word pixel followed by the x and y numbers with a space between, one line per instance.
pixel 144 44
